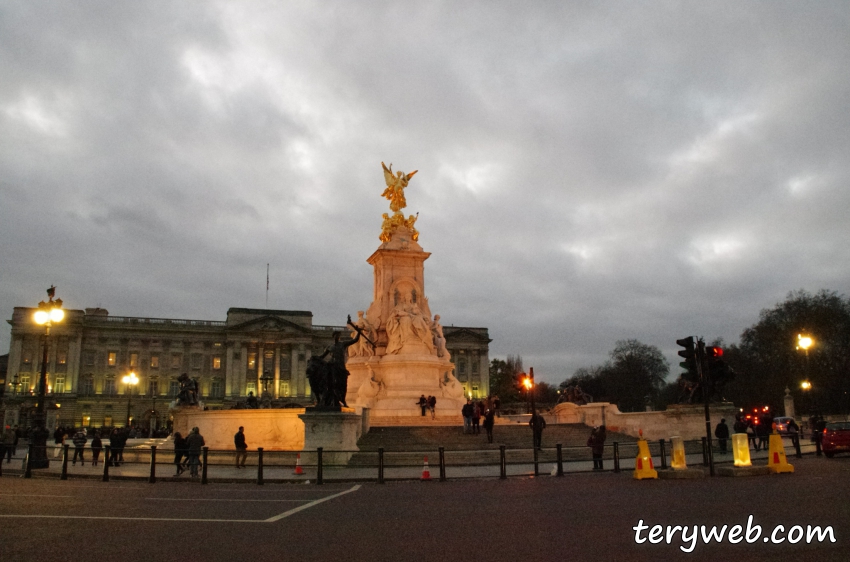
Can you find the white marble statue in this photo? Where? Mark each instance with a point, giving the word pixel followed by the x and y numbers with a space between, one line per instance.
pixel 440 338
pixel 451 386
pixel 363 347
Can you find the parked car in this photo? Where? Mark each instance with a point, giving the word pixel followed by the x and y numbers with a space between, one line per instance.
pixel 836 438
pixel 782 425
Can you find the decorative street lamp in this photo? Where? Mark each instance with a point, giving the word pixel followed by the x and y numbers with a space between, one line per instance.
pixel 130 380
pixel 48 313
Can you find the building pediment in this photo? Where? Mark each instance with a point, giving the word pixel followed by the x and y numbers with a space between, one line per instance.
pixel 458 334
pixel 268 324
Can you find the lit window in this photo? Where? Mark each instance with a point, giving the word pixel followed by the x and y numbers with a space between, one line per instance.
pixel 86 420
pixel 59 385
pixel 112 359
pixel 154 361
pixel 217 362
pixel 107 421
pixel 284 389
pixel 251 387
pixel 252 360
pixel 134 360
pixel 25 384
pixel 62 357
pixel 216 389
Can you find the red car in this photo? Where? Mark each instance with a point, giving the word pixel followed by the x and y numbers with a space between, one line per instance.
pixel 836 438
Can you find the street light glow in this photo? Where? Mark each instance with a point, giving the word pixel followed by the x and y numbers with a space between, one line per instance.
pixel 806 385
pixel 130 379
pixel 804 342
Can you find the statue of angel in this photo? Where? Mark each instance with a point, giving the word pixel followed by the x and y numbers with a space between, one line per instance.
pixel 395 187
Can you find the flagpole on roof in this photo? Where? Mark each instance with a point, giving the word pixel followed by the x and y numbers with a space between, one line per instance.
pixel 267 286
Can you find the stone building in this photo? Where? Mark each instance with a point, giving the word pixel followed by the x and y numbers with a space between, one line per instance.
pixel 252 351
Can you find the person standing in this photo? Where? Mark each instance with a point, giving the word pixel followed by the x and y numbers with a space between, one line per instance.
pixel 596 442
pixel 194 443
pixel 7 444
pixel 96 447
pixel 489 421
pixel 496 404
pixel 467 411
pixel 432 405
pixel 476 419
pixel 114 447
pixel 80 439
pixel 537 424
pixel 241 447
pixel 722 434
pixel 423 404
pixel 179 452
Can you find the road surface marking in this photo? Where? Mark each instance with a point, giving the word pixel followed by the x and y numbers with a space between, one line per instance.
pixel 193 520
pixel 295 510
pixel 214 500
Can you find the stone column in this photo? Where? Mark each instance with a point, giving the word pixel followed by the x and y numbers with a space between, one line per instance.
pixel 242 375
pixel 230 389
pixel 789 403
pixel 75 346
pixel 276 389
pixel 485 374
pixel 14 360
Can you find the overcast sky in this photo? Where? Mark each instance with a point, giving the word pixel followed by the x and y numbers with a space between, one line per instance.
pixel 588 171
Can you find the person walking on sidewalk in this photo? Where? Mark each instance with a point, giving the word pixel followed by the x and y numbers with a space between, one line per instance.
pixel 241 447
pixel 722 434
pixel 80 439
pixel 96 447
pixel 194 443
pixel 179 452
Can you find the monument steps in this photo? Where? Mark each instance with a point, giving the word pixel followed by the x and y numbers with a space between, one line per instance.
pixel 405 446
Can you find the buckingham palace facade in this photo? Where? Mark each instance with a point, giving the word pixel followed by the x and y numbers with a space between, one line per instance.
pixel 252 351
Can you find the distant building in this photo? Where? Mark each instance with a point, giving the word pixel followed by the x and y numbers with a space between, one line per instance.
pixel 90 352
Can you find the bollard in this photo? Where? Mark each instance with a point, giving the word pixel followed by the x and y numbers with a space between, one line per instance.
pixel 795 439
pixel 152 477
pixel 704 452
pixel 616 457
pixel 319 479
pixel 560 471
pixel 380 465
pixel 259 466
pixel 106 463
pixel 64 475
pixel 536 465
pixel 442 464
pixel 663 453
pixel 503 465
pixel 205 455
pixel 28 463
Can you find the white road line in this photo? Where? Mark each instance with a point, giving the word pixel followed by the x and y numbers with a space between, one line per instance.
pixel 269 520
pixel 295 510
pixel 36 496
pixel 215 500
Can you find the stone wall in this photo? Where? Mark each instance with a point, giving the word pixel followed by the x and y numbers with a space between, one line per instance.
pixel 686 421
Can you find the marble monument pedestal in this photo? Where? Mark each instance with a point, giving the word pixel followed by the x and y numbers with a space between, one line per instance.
pixel 335 430
pixel 390 385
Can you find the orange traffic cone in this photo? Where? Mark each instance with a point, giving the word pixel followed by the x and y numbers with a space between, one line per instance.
pixel 426 473
pixel 298 470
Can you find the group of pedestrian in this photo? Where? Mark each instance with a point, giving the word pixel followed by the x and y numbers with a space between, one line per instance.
pixel 187 452
pixel 428 404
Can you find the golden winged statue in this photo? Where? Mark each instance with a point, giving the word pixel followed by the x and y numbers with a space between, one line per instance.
pixel 395 187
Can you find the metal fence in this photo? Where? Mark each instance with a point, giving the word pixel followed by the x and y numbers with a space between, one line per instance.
pixel 321 465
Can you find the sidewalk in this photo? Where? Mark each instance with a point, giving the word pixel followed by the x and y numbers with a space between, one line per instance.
pixel 275 472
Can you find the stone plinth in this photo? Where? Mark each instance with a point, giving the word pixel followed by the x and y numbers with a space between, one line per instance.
pixel 334 431
pixel 273 430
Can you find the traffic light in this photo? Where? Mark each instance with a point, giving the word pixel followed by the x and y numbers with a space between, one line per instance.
pixel 718 372
pixel 689 353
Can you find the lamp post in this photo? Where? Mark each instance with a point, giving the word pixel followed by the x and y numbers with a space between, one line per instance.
pixel 130 380
pixel 48 313
pixel 804 342
pixel 528 383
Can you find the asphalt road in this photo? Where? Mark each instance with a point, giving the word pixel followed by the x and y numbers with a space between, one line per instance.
pixel 577 517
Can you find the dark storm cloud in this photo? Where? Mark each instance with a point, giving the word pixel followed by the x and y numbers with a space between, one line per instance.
pixel 588 172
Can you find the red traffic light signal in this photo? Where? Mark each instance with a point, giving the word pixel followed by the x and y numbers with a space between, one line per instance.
pixel 714 352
